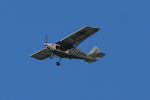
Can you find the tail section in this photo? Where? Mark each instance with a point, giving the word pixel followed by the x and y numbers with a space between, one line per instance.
pixel 95 54
pixel 93 51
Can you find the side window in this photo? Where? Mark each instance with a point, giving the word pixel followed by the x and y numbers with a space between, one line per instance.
pixel 57 47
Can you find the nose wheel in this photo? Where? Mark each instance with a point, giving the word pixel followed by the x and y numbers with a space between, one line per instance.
pixel 58 63
pixel 51 55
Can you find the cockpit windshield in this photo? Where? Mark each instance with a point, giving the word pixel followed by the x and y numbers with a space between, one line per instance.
pixel 57 46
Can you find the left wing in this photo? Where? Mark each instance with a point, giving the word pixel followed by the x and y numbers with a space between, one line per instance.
pixel 42 54
pixel 76 38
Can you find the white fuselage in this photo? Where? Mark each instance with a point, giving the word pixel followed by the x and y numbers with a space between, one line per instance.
pixel 73 53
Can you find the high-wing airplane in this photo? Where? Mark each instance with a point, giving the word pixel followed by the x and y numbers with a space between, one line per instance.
pixel 66 48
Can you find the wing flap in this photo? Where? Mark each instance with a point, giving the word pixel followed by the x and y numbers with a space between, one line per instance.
pixel 42 54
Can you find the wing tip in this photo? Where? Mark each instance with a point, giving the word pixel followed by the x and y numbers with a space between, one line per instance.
pixel 30 56
pixel 95 28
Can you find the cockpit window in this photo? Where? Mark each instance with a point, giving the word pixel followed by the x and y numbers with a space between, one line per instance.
pixel 57 46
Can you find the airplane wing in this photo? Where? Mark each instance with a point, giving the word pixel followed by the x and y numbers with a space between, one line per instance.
pixel 42 54
pixel 77 37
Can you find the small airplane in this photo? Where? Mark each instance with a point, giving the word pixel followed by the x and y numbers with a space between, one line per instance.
pixel 66 48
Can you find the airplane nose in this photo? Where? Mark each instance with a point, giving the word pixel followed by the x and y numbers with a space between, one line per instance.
pixel 45 44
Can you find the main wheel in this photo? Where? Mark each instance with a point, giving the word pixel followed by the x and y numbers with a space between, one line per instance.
pixel 58 63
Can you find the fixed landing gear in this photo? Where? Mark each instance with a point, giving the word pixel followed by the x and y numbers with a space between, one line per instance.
pixel 58 63
pixel 70 57
pixel 51 55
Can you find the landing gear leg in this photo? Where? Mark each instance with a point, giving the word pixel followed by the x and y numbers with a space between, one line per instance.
pixel 70 57
pixel 58 63
pixel 51 55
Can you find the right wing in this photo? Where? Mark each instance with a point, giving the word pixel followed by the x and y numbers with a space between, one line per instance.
pixel 77 37
pixel 42 54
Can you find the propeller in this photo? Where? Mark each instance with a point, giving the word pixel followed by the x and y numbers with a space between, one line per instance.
pixel 46 40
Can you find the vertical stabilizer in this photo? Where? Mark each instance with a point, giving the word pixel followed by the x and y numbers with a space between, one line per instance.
pixel 96 53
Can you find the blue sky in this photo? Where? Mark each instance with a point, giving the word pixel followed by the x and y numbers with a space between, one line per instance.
pixel 121 75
